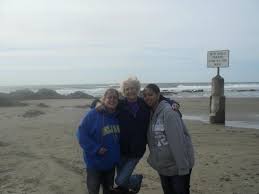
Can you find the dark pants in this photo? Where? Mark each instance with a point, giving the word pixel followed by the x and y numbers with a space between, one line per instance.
pixel 95 179
pixel 176 184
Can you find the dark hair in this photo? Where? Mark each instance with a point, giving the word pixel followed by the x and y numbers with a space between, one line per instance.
pixel 153 87
pixel 156 90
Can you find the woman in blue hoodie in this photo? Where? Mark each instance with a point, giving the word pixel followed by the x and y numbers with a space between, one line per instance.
pixel 98 135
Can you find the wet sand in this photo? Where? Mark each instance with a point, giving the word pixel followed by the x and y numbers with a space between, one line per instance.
pixel 240 112
pixel 39 152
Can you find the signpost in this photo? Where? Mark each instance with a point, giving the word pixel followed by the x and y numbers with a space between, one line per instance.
pixel 217 59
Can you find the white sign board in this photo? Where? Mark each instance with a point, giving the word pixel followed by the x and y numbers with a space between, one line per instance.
pixel 218 58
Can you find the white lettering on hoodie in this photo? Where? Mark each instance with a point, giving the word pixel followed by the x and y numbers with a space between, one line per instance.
pixel 159 133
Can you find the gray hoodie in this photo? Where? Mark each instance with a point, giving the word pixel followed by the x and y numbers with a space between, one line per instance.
pixel 170 146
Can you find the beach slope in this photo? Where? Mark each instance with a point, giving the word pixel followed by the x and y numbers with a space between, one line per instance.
pixel 39 152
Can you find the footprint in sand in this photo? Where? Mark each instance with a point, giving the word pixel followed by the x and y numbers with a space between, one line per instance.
pixel 66 165
pixel 4 144
pixel 32 113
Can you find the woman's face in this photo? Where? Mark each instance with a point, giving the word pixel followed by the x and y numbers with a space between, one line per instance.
pixel 111 101
pixel 150 97
pixel 130 92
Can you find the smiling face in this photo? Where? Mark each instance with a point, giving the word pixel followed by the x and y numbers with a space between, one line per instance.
pixel 130 92
pixel 110 100
pixel 151 98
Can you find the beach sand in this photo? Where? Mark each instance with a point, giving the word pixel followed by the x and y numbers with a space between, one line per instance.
pixel 39 152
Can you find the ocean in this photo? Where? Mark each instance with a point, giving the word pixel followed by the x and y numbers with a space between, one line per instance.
pixel 231 89
pixel 173 90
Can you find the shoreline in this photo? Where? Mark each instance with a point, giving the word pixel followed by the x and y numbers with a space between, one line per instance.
pixel 227 124
pixel 239 112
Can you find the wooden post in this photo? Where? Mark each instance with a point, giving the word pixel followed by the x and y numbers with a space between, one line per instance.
pixel 217 100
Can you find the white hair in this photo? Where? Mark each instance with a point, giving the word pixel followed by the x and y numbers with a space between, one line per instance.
pixel 132 81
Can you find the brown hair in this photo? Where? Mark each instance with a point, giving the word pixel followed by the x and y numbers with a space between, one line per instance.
pixel 108 91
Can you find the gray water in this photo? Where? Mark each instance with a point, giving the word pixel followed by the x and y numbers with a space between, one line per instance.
pixel 239 124
pixel 232 89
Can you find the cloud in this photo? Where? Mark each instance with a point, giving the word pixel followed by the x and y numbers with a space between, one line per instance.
pixel 143 37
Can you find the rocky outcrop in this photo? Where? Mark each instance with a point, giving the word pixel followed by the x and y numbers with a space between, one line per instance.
pixel 43 93
pixel 22 94
pixel 79 94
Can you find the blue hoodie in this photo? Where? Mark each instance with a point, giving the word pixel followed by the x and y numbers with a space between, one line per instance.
pixel 99 129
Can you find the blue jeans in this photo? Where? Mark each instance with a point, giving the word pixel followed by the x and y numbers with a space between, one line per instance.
pixel 124 176
pixel 96 178
pixel 176 184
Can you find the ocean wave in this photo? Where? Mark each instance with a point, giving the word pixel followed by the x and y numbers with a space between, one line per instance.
pixel 242 85
pixel 170 89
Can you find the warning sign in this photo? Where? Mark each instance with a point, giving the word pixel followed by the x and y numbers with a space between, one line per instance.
pixel 218 58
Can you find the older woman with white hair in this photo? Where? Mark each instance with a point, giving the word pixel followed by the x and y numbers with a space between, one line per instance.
pixel 133 120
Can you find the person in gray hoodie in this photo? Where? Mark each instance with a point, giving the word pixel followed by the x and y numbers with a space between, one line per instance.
pixel 170 145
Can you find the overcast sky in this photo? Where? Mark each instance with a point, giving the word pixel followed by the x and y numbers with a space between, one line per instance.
pixel 105 41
